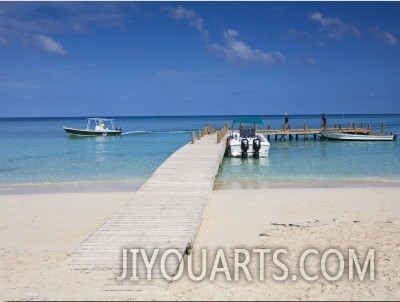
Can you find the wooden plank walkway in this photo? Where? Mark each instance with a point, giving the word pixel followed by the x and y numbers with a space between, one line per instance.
pixel 166 212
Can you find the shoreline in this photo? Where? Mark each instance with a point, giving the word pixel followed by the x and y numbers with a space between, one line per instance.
pixel 81 186
pixel 306 183
pixel 132 185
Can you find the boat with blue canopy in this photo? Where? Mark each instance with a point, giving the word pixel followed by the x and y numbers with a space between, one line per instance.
pixel 244 141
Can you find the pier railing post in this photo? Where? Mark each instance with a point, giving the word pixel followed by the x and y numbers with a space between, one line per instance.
pixel 305 132
pixel 198 134
pixel 193 138
pixel 218 137
pixel 223 131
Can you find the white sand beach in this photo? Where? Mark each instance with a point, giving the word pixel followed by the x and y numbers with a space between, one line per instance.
pixel 39 231
pixel 297 219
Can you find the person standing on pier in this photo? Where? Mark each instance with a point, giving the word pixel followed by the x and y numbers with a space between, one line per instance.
pixel 286 126
pixel 324 121
pixel 286 121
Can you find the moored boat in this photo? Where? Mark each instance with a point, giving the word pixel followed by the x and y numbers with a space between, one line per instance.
pixel 96 127
pixel 358 137
pixel 245 141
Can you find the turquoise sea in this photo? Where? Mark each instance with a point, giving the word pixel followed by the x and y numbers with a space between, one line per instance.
pixel 37 150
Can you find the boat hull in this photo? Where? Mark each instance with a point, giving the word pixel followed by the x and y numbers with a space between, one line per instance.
pixel 236 149
pixel 356 137
pixel 84 132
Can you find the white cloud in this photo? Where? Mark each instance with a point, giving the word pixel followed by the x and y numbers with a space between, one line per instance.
pixel 194 20
pixel 383 35
pixel 233 48
pixel 49 44
pixel 25 23
pixel 236 50
pixel 335 27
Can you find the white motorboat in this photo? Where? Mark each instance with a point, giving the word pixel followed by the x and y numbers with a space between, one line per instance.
pixel 358 137
pixel 95 127
pixel 245 141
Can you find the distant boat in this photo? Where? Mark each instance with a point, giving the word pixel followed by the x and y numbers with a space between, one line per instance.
pixel 357 137
pixel 245 141
pixel 96 127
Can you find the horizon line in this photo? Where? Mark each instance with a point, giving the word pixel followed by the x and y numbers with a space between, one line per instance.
pixel 200 115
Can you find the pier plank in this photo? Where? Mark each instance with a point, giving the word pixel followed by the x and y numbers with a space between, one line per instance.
pixel 166 212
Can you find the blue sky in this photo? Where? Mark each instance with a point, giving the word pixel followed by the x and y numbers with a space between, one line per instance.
pixel 198 58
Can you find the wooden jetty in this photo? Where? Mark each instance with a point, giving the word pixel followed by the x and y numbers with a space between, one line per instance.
pixel 288 133
pixel 165 213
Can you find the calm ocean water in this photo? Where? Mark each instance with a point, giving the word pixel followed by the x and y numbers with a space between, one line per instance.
pixel 37 150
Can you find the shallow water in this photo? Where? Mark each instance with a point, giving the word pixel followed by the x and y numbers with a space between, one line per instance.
pixel 37 150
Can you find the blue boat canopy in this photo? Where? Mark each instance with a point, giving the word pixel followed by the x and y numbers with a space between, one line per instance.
pixel 250 120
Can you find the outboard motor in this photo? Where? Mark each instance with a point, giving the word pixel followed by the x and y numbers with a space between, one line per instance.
pixel 256 147
pixel 244 145
pixel 394 135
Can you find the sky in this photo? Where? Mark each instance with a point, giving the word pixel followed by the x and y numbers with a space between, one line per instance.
pixel 198 58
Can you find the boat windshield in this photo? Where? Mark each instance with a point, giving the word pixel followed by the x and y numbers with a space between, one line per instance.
pixel 247 130
pixel 100 123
